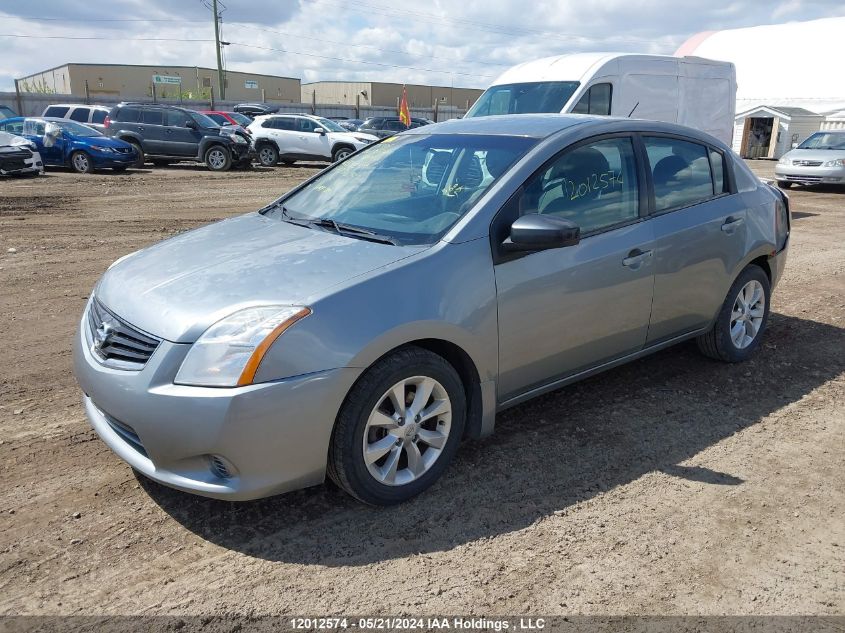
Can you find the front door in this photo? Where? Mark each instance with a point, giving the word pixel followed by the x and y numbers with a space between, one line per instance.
pixel 311 143
pixel 564 310
pixel 181 140
pixel 52 150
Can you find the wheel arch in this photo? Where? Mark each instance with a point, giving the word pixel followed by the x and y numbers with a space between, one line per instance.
pixel 342 145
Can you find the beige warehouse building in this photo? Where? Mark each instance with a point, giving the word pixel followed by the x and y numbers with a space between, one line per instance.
pixel 373 93
pixel 135 82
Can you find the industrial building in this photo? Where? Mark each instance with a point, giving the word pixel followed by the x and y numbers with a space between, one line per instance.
pixel 164 82
pixel 376 93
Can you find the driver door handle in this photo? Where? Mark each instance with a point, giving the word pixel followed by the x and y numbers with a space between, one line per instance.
pixel 731 224
pixel 635 258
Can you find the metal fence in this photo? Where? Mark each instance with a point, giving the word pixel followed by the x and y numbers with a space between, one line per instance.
pixel 33 104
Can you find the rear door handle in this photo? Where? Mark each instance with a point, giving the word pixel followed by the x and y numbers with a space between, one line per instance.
pixel 731 224
pixel 635 258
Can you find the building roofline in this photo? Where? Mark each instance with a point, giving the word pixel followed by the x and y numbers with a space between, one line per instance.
pixel 214 70
pixel 387 83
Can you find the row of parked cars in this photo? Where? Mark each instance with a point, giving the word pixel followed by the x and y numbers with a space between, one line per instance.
pixel 88 137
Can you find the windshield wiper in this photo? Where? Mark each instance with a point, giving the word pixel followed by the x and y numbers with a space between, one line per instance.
pixel 353 231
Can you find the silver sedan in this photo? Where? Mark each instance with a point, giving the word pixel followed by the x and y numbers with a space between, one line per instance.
pixel 366 322
pixel 820 159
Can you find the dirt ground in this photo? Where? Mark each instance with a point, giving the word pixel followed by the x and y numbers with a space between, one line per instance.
pixel 674 485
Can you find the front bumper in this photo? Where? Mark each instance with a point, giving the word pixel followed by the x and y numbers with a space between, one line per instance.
pixel 242 152
pixel 273 437
pixel 102 159
pixel 810 175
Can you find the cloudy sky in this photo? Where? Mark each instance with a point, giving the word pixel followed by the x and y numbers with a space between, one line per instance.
pixel 447 42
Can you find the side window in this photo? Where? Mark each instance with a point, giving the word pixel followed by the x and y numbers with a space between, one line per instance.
pixel 306 125
pixel 217 118
pixel 152 116
pixel 595 101
pixel 80 114
pixel 717 164
pixel 593 185
pixel 56 111
pixel 175 118
pixel 15 127
pixel 680 172
pixel 129 115
pixel 99 116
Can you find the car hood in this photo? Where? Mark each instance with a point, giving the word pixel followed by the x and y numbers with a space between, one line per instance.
pixel 13 140
pixel 102 141
pixel 353 136
pixel 823 155
pixel 176 289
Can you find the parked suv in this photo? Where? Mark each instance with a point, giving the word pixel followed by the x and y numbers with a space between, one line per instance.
pixel 166 134
pixel 384 126
pixel 292 137
pixel 92 115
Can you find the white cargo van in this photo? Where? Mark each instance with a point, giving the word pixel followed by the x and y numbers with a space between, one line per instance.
pixel 693 91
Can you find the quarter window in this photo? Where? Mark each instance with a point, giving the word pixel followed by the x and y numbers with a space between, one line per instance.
pixel 717 164
pixel 680 172
pixel 99 116
pixel 595 101
pixel 129 115
pixel 80 114
pixel 593 185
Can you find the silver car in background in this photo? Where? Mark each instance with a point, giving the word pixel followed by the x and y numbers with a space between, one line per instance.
pixel 367 321
pixel 820 159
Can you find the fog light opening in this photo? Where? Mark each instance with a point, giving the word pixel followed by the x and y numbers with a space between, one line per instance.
pixel 220 467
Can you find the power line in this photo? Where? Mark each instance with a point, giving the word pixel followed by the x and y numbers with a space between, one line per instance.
pixel 117 39
pixel 357 61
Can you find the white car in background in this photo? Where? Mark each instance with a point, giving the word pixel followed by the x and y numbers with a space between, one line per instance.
pixel 292 137
pixel 19 156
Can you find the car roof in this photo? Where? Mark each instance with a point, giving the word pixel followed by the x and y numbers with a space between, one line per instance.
pixel 78 105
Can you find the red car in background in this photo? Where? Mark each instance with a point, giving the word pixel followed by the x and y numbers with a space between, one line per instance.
pixel 229 118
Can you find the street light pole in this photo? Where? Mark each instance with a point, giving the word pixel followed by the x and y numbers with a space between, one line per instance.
pixel 221 84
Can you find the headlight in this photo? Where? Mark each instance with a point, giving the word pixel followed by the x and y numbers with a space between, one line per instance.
pixel 238 138
pixel 785 160
pixel 101 148
pixel 229 352
pixel 838 162
pixel 364 139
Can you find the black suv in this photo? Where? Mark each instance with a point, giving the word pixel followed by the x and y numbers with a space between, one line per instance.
pixel 384 126
pixel 166 134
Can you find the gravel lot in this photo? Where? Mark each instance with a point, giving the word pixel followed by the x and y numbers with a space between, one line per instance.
pixel 672 485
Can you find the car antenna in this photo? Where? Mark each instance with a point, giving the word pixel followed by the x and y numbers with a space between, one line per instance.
pixel 632 110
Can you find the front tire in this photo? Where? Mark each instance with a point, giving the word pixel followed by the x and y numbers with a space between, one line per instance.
pixel 81 163
pixel 217 158
pixel 399 428
pixel 742 319
pixel 268 155
pixel 341 152
pixel 784 184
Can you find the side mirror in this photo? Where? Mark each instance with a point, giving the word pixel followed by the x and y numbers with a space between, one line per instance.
pixel 190 123
pixel 320 131
pixel 535 232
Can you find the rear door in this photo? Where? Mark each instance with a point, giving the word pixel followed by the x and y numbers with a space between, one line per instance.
pixel 700 233
pixel 152 120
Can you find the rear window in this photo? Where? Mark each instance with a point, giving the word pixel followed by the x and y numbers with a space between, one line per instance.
pixel 56 111
pixel 129 115
pixel 80 114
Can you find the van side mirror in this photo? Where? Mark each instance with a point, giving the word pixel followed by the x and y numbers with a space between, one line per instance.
pixel 535 232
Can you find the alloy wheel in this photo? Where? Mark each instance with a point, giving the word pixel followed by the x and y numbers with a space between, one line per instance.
pixel 216 159
pixel 407 430
pixel 267 156
pixel 80 162
pixel 747 314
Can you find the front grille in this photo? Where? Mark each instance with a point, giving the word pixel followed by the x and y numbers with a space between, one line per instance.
pixel 116 342
pixel 807 163
pixel 126 432
pixel 804 178
pixel 13 164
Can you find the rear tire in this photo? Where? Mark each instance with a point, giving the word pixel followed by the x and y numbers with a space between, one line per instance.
pixel 387 446
pixel 81 163
pixel 217 158
pixel 268 155
pixel 784 184
pixel 742 320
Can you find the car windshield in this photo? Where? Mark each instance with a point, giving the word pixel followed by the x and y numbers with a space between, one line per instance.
pixel 411 188
pixel 330 125
pixel 77 129
pixel 523 98
pixel 242 119
pixel 203 121
pixel 824 140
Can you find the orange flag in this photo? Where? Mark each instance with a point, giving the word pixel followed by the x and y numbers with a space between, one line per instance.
pixel 404 112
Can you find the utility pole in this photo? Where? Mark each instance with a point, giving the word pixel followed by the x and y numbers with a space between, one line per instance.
pixel 221 84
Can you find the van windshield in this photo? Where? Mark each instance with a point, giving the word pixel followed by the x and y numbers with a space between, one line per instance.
pixel 524 98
